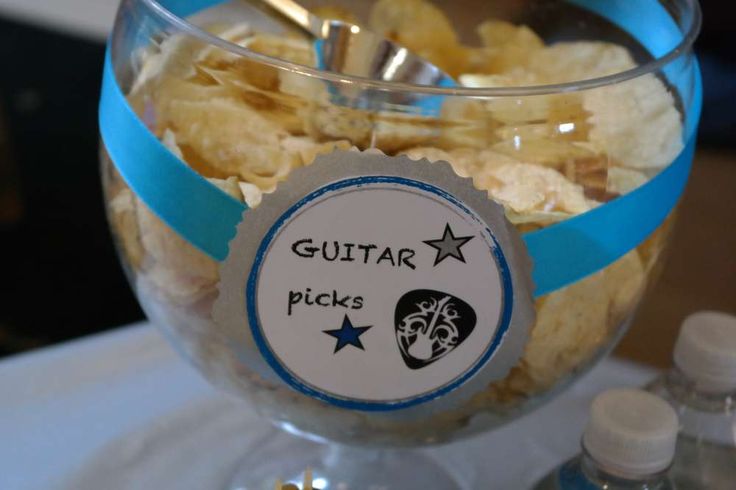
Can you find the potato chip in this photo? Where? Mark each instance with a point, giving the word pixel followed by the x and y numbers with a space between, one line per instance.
pixel 508 47
pixel 303 89
pixel 580 60
pixel 430 153
pixel 324 122
pixel 567 114
pixel 485 164
pixel 519 110
pixel 624 180
pixel 489 159
pixel 625 283
pixel 171 58
pixel 307 149
pixel 256 73
pixel 532 131
pixel 229 79
pixel 526 188
pixel 252 194
pixel 172 89
pixel 169 141
pixel 177 285
pixel 281 108
pixel 559 116
pixel 461 161
pixel 466 123
pixel 177 55
pixel 523 188
pixel 422 28
pixel 497 33
pixel 235 33
pixel 636 122
pixel 537 219
pixel 466 162
pixel 217 57
pixel 572 325
pixel 231 137
pixel 392 133
pixel 125 224
pixel 170 251
pixel 175 266
pixel 543 151
pixel 494 61
pixel 286 48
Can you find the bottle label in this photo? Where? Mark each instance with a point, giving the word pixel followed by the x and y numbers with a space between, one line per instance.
pixel 379 289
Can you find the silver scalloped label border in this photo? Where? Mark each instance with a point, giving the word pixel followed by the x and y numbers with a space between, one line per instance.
pixel 235 320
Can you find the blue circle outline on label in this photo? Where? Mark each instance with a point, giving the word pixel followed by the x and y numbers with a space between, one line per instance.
pixel 371 406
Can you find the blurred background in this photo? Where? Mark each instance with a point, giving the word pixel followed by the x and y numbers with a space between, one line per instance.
pixel 61 278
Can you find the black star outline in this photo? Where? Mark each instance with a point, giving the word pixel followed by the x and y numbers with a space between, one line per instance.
pixel 347 334
pixel 448 246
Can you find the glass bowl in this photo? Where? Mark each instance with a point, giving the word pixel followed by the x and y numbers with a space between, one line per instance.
pixel 577 118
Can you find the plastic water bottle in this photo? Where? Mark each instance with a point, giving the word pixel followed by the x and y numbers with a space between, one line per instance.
pixel 628 444
pixel 701 387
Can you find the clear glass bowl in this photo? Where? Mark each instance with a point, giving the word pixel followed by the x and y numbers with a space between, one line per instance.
pixel 574 127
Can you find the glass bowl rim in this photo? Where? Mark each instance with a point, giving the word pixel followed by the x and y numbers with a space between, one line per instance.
pixel 651 66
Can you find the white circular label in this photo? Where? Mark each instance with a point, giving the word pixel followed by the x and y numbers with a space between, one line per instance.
pixel 378 292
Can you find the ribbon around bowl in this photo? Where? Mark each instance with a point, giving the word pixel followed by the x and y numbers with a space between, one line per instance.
pixel 563 253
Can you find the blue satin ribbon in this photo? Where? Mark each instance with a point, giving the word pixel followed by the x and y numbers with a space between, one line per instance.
pixel 563 253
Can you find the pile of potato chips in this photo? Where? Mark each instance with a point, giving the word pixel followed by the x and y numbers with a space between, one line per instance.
pixel 246 124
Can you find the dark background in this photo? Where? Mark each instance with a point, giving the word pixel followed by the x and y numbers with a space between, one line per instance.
pixel 60 275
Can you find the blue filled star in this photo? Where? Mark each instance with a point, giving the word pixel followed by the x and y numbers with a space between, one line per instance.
pixel 347 334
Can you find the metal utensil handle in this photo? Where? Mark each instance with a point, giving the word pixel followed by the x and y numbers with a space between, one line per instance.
pixel 299 15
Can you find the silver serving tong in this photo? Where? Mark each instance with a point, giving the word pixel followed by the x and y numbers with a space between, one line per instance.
pixel 352 50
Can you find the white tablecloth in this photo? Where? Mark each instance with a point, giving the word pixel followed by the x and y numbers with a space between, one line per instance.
pixel 121 411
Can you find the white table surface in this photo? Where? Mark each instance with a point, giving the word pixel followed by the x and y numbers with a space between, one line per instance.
pixel 90 19
pixel 121 411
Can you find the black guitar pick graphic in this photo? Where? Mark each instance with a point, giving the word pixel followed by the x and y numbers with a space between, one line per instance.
pixel 431 324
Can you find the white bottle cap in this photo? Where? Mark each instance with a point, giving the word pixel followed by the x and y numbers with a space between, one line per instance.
pixel 631 433
pixel 706 351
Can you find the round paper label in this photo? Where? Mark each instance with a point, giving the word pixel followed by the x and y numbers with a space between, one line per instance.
pixel 378 292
